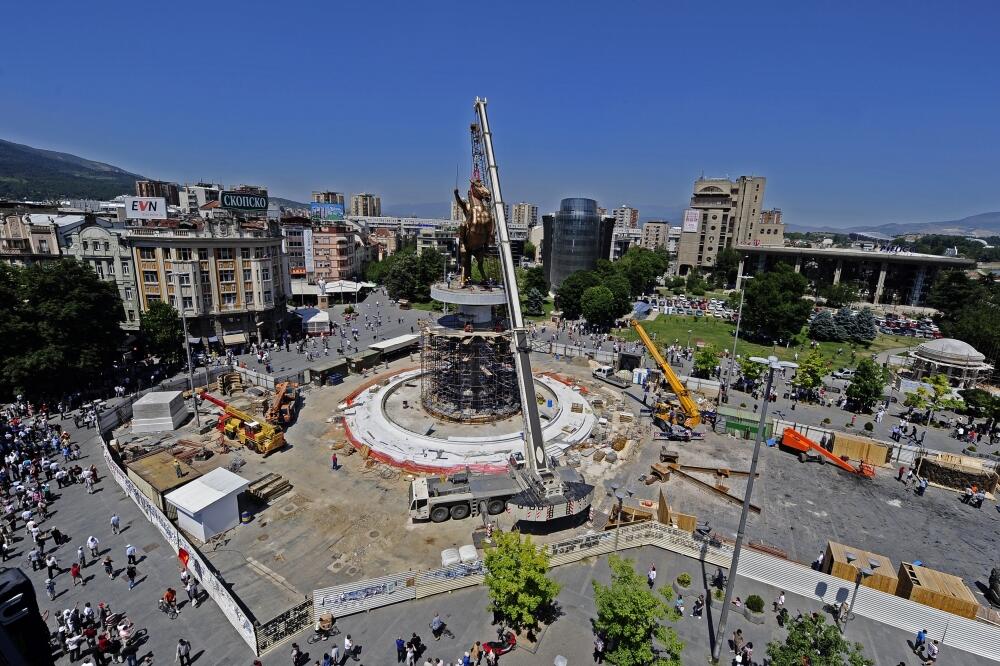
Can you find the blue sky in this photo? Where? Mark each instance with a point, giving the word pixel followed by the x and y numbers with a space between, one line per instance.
pixel 857 112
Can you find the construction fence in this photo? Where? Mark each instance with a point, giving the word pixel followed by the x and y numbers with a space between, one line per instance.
pixel 209 578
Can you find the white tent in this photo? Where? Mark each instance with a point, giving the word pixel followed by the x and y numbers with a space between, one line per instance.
pixel 314 320
pixel 208 505
pixel 342 287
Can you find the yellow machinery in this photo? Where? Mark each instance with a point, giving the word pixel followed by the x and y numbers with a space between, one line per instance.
pixel 263 438
pixel 688 405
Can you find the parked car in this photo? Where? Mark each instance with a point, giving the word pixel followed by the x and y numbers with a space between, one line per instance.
pixel 843 373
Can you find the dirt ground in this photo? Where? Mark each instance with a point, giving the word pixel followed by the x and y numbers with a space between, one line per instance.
pixel 351 524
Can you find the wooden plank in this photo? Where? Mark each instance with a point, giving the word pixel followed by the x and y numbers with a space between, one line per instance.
pixel 718 471
pixel 661 471
pixel 732 499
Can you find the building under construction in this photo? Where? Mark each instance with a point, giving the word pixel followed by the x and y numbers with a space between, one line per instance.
pixel 468 376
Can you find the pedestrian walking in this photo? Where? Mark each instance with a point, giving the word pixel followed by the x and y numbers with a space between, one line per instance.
pixel 74 572
pixel 130 572
pixel 50 589
pixel 80 557
pixel 115 523
pixel 598 650
pixel 779 601
pixel 651 576
pixel 94 545
pixel 130 554
pixel 183 652
pixel 333 462
pixel 109 568
pixel 53 566
pixel 400 649
pixel 349 648
pixel 192 592
pixel 921 640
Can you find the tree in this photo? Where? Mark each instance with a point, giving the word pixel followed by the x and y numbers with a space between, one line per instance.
pixel 751 370
pixel 941 394
pixel 529 250
pixel 598 306
pixel 642 267
pixel 823 643
pixel 534 278
pixel 774 308
pixel 846 326
pixel 969 310
pixel 824 328
pixel 727 262
pixel 696 284
pixel 571 290
pixel 629 616
pixel 619 287
pixel 809 375
pixel 534 303
pixel 519 589
pixel 705 360
pixel 162 334
pixel 63 323
pixel 867 385
pixel 402 277
pixel 981 403
pixel 918 399
pixel 865 329
pixel 839 295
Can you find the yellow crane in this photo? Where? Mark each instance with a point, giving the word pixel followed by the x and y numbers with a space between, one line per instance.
pixel 688 406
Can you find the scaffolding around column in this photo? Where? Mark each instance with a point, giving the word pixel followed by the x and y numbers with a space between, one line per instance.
pixel 468 377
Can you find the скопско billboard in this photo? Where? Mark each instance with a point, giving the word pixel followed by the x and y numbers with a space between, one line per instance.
pixel 331 212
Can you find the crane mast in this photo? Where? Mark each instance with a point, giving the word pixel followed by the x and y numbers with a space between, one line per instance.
pixel 542 478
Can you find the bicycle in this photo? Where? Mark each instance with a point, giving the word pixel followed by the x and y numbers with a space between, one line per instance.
pixel 323 633
pixel 443 631
pixel 169 609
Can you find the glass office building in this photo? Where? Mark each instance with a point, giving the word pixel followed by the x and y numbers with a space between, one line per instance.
pixel 574 239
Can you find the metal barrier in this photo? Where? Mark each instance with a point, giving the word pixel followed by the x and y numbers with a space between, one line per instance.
pixel 206 575
pixel 288 623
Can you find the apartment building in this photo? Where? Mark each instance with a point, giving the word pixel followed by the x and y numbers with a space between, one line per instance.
pixel 102 244
pixel 158 188
pixel 366 205
pixel 191 198
pixel 626 217
pixel 328 197
pixel 340 251
pixel 224 274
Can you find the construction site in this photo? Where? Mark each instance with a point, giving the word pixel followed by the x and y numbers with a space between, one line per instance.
pixel 386 469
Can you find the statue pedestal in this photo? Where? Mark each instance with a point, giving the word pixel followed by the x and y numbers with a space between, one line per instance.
pixel 474 303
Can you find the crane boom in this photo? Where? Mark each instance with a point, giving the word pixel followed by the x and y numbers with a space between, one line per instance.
pixel 534 442
pixel 688 405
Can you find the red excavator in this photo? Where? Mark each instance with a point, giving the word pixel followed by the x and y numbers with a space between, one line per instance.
pixel 811 451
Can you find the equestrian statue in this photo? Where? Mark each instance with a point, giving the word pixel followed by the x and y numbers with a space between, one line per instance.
pixel 478 231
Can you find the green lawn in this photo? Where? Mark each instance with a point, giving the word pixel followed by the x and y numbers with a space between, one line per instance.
pixel 429 306
pixel 714 331
pixel 435 306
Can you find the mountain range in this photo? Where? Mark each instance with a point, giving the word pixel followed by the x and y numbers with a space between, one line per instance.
pixel 39 175
pixel 981 225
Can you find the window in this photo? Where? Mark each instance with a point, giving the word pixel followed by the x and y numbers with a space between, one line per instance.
pixel 128 293
pixel 203 253
pixel 147 253
pixel 187 302
pixel 265 274
pixel 183 253
pixel 206 302
pixel 111 268
pixel 245 252
pixel 43 246
pixel 227 276
pixel 229 300
pixel 267 298
pixel 107 246
pixel 184 279
pixel 205 278
pixel 152 298
pixel 99 269
pixel 126 268
pixel 150 277
pixel 249 298
pixel 224 253
pixel 130 315
pixel 84 246
pixel 247 275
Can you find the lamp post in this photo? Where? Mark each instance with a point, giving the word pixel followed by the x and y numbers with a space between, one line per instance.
pixel 862 575
pixel 739 319
pixel 621 500
pixel 772 364
pixel 688 345
pixel 187 340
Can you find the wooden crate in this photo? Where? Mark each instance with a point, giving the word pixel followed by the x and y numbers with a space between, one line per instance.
pixel 936 589
pixel 836 563
pixel 859 448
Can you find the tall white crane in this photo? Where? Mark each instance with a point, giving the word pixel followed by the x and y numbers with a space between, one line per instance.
pixel 558 491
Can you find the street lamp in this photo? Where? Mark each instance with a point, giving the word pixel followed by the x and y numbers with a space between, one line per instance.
pixel 772 364
pixel 187 340
pixel 621 499
pixel 688 345
pixel 863 574
pixel 739 319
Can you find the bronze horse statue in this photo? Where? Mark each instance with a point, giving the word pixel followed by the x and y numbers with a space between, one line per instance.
pixel 476 234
